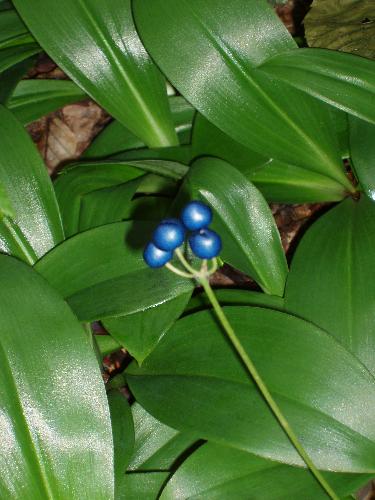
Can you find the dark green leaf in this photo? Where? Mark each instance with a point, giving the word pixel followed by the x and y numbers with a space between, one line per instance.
pixel 332 280
pixel 13 32
pixel 181 154
pixel 342 80
pixel 221 473
pixel 36 226
pixel 123 433
pixel 56 440
pixel 116 138
pixel 193 381
pixel 210 51
pixel 11 56
pixel 278 181
pixel 33 99
pixel 103 54
pixel 362 152
pixel 157 446
pixel 102 274
pixel 144 485
pixel 10 78
pixel 243 219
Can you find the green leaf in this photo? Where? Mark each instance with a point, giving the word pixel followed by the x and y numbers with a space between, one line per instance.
pixel 157 446
pixel 362 152
pixel 278 181
pixel 193 377
pixel 345 25
pixel 342 80
pixel 33 99
pixel 210 51
pixel 123 433
pixel 338 276
pixel 102 274
pixel 181 154
pixel 244 221
pixel 116 138
pixel 57 439
pixel 10 78
pixel 140 332
pixel 219 472
pixel 36 226
pixel 105 57
pixel 11 56
pixel 144 485
pixel 5 204
pixel 13 32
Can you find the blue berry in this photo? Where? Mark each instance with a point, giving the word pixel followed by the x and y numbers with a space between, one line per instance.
pixel 205 244
pixel 196 215
pixel 169 234
pixel 154 257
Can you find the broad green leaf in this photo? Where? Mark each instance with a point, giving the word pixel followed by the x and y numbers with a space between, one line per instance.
pixel 210 51
pixel 157 446
pixel 278 181
pixel 141 485
pixel 105 57
pixel 116 138
pixel 33 99
pixel 123 433
pixel 181 154
pixel 106 344
pixel 102 274
pixel 11 56
pixel 332 280
pixel 232 296
pixel 10 78
pixel 345 25
pixel 362 152
pixel 13 31
pixel 107 205
pixel 317 383
pixel 342 80
pixel 5 204
pixel 222 473
pixel 243 219
pixel 56 440
pixel 36 226
pixel 140 332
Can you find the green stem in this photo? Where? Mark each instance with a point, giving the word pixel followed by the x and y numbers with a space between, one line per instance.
pixel 263 388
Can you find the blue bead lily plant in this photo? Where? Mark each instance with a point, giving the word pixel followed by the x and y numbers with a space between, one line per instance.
pixel 167 241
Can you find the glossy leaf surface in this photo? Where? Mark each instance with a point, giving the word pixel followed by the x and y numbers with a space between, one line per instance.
pixel 362 153
pixel 116 138
pixel 33 99
pixel 209 53
pixel 243 219
pixel 218 472
pixel 339 274
pixel 342 80
pixel 102 274
pixel 123 433
pixel 317 383
pixel 5 204
pixel 54 410
pixel 157 446
pixel 36 226
pixel 104 55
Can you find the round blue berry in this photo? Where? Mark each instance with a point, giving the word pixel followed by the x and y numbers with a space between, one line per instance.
pixel 154 257
pixel 196 215
pixel 205 244
pixel 169 234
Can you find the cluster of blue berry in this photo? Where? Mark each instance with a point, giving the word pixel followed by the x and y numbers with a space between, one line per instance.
pixel 170 234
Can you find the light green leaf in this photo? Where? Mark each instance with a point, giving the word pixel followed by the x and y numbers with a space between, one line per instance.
pixel 210 51
pixel 105 57
pixel 33 99
pixel 222 473
pixel 342 80
pixel 346 25
pixel 157 446
pixel 116 138
pixel 143 485
pixel 193 377
pixel 243 219
pixel 362 152
pixel 57 440
pixel 36 226
pixel 5 204
pixel 338 275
